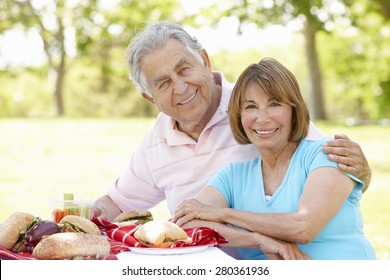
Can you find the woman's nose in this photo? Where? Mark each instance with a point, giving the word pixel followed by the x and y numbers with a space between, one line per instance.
pixel 262 116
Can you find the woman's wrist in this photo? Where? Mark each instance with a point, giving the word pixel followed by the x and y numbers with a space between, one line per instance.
pixel 223 215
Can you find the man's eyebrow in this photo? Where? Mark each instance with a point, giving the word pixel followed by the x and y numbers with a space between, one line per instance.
pixel 181 63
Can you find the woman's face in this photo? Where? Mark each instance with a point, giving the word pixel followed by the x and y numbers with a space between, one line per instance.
pixel 266 122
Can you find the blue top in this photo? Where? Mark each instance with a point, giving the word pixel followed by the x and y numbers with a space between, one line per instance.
pixel 241 183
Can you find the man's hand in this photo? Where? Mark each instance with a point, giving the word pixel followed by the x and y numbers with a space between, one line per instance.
pixel 105 208
pixel 349 156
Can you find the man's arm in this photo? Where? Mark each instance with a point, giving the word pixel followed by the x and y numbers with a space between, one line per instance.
pixel 350 157
pixel 105 208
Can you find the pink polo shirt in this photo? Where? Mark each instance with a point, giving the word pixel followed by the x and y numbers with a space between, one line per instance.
pixel 171 165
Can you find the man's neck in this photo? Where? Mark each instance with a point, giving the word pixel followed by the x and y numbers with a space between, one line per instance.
pixel 194 130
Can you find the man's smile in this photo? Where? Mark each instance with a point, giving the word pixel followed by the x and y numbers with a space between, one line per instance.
pixel 188 99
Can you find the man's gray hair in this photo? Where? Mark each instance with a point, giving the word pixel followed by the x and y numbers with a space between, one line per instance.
pixel 154 37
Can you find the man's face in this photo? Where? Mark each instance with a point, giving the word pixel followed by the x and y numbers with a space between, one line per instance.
pixel 181 86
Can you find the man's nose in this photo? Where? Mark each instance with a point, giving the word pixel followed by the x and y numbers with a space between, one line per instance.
pixel 179 86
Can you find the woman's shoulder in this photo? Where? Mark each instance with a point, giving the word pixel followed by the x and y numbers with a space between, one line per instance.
pixel 307 144
pixel 237 165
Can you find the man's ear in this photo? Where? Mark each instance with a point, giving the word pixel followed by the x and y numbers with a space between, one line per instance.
pixel 206 60
pixel 147 97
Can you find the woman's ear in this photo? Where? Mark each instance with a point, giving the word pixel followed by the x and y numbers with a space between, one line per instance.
pixel 147 97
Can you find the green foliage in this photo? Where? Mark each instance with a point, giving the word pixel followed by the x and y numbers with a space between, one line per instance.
pixel 355 65
pixel 357 71
pixel 100 34
pixel 233 63
pixel 23 94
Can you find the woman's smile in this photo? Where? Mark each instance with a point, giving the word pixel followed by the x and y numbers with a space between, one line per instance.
pixel 265 132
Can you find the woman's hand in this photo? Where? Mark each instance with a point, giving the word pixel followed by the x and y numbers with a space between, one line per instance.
pixel 192 209
pixel 279 250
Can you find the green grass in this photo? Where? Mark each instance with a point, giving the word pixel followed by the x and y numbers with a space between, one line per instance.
pixel 42 159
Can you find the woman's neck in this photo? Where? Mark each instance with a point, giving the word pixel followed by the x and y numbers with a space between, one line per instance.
pixel 275 165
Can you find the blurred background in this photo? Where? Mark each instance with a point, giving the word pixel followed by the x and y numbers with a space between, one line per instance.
pixel 70 117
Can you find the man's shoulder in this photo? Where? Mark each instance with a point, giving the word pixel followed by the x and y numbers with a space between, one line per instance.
pixel 158 128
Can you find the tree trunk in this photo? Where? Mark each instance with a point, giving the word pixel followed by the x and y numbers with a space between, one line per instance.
pixel 385 5
pixel 58 92
pixel 60 71
pixel 316 104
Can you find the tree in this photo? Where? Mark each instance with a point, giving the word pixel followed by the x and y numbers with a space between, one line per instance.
pixel 90 25
pixel 52 20
pixel 315 15
pixel 362 59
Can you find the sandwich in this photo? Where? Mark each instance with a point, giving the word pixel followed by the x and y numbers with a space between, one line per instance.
pixel 70 244
pixel 133 217
pixel 73 223
pixel 14 229
pixel 160 234
pixel 39 230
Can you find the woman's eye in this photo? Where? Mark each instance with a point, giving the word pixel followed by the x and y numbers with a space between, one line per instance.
pixel 249 107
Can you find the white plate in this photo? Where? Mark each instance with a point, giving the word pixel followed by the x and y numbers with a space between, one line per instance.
pixel 168 251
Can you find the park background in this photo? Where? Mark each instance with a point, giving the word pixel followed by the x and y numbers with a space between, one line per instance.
pixel 70 118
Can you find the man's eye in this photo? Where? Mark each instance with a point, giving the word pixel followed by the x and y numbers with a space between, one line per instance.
pixel 163 85
pixel 184 70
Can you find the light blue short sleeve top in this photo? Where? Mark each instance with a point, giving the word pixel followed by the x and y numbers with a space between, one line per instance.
pixel 241 184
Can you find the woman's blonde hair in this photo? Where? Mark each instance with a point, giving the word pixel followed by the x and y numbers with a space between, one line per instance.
pixel 278 82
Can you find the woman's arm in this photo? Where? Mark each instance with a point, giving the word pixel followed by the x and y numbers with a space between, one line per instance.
pixel 239 238
pixel 325 191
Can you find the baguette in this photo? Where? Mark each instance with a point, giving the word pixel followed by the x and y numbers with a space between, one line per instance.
pixel 70 244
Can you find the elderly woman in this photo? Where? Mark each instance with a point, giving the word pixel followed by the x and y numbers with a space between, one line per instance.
pixel 292 191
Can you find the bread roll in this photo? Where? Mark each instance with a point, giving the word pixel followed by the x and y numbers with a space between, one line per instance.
pixel 12 227
pixel 70 244
pixel 160 234
pixel 133 217
pixel 78 223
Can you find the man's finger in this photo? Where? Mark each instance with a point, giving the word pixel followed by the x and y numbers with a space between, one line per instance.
pixel 341 136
